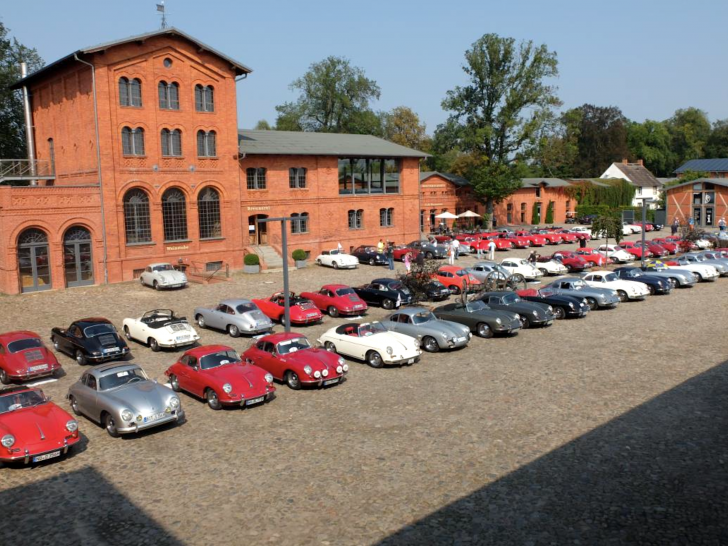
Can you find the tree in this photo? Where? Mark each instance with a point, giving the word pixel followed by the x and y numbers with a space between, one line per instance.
pixel 608 226
pixel 403 126
pixel 334 97
pixel 601 139
pixel 445 147
pixel 12 120
pixel 717 143
pixel 689 131
pixel 651 142
pixel 558 146
pixel 500 112
pixel 263 125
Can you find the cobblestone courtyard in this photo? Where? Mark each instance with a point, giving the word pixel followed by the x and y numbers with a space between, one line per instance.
pixel 609 429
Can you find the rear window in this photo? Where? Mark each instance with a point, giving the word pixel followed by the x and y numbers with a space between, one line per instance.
pixel 23 344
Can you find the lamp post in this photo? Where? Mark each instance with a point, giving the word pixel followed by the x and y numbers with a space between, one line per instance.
pixel 284 250
pixel 645 201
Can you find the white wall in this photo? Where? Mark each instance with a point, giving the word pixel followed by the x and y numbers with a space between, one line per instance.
pixel 652 193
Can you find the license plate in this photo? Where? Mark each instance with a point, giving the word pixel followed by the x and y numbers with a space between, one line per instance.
pixel 182 338
pixel 331 381
pixel 46 456
pixel 114 350
pixel 460 339
pixel 36 368
pixel 154 417
pixel 311 315
pixel 358 306
pixel 254 401
pixel 411 361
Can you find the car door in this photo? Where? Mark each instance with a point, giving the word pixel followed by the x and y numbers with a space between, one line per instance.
pixel 393 322
pixel 139 330
pixel 74 339
pixel 194 377
pixel 85 394
pixel 345 343
pixel 182 371
pixel 406 326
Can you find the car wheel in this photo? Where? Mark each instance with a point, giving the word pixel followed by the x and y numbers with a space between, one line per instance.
pixel 110 426
pixel 74 405
pixel 483 330
pixel 292 380
pixel 543 271
pixel 700 277
pixel 334 265
pixel 212 400
pixel 174 383
pixel 374 359
pixel 127 333
pixel 371 261
pixel 332 311
pixel 592 303
pixel 56 345
pixel 428 255
pixel 80 358
pixel 429 344
pixel 525 323
pixel 622 295
pixel 4 379
pixel 156 285
pixel 200 321
pixel 673 283
pixel 455 290
pixel 559 313
pixel 153 344
pixel 330 347
pixel 651 289
pixel 318 262
pixel 233 330
pixel 388 304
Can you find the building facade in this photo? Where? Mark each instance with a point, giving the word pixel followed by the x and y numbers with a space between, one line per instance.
pixel 445 192
pixel 704 200
pixel 713 168
pixel 647 186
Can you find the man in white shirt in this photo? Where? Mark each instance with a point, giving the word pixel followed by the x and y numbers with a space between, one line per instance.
pixel 456 248
pixel 491 250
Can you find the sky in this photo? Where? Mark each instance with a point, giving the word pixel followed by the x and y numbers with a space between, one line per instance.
pixel 647 57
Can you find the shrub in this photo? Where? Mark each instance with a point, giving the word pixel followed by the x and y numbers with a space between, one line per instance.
pixel 299 255
pixel 251 259
pixel 535 220
pixel 550 213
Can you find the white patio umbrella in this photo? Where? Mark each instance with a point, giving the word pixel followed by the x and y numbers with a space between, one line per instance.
pixel 469 214
pixel 446 216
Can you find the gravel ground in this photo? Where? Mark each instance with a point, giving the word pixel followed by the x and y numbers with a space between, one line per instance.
pixel 610 429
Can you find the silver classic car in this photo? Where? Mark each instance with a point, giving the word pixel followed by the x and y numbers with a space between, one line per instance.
pixel 123 399
pixel 235 317
pixel 595 297
pixel 433 333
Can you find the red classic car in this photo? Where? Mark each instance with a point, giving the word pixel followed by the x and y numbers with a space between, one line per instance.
pixel 337 299
pixel 217 374
pixel 32 428
pixel 455 277
pixel 634 248
pixel 572 261
pixel 567 236
pixel 23 356
pixel 591 256
pixel 533 238
pixel 400 251
pixel 550 237
pixel 658 251
pixel 302 311
pixel 291 358
pixel 500 244
pixel 516 240
pixel 667 245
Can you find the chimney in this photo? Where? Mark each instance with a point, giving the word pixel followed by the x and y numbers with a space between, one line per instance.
pixel 640 162
pixel 28 122
pixel 625 162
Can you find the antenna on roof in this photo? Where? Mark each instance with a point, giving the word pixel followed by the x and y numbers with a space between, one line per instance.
pixel 160 7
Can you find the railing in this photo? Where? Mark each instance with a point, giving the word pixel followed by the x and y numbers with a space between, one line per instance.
pixel 200 270
pixel 20 169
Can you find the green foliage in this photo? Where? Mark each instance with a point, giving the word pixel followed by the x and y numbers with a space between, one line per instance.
pixel 688 176
pixel 251 259
pixel 689 131
pixel 717 143
pixel 617 193
pixel 334 97
pixel 263 125
pixel 403 126
pixel 587 210
pixel 550 213
pixel 535 220
pixel 651 142
pixel 299 255
pixel 601 140
pixel 610 225
pixel 419 278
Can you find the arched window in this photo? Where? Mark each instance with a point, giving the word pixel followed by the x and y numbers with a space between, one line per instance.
pixel 204 98
pixel 34 261
pixel 356 219
pixel 299 222
pixel 206 144
pixel 386 217
pixel 172 143
pixel 174 215
pixel 132 141
pixel 297 177
pixel 168 95
pixel 137 223
pixel 208 213
pixel 130 92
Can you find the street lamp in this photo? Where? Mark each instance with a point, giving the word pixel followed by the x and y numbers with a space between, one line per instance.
pixel 645 201
pixel 284 250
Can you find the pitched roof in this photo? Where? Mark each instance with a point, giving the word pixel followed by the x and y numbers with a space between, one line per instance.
pixel 549 182
pixel 305 143
pixel 454 178
pixel 638 174
pixel 239 67
pixel 717 181
pixel 717 165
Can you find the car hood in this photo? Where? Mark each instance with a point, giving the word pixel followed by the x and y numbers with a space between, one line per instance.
pixel 28 425
pixel 172 276
pixel 318 359
pixel 450 329
pixel 240 376
pixel 144 396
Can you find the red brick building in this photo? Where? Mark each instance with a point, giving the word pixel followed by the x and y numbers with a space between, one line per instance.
pixel 444 192
pixel 139 160
pixel 705 200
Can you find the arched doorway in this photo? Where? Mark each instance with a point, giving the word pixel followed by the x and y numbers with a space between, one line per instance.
pixel 34 261
pixel 77 262
pixel 258 231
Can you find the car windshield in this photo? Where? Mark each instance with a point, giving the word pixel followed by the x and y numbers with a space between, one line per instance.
pixel 462 273
pixel 577 285
pixel 630 273
pixel 163 267
pixel 23 344
pixel 345 292
pixel 220 358
pixel 292 345
pixel 98 329
pixel 422 317
pixel 370 329
pixel 611 277
pixel 545 292
pixel 511 298
pixel 246 308
pixel 478 305
pixel 17 400
pixel 121 378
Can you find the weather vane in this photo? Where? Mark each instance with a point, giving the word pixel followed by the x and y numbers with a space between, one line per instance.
pixel 160 8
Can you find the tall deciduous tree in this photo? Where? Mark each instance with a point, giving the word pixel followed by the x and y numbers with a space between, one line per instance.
pixel 403 126
pixel 602 139
pixel 717 143
pixel 501 110
pixel 651 142
pixel 334 97
pixel 263 125
pixel 12 121
pixel 689 130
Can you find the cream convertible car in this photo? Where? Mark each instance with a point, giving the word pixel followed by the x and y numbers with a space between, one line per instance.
pixel 372 343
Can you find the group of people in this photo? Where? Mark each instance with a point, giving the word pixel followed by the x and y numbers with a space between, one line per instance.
pixel 408 259
pixel 691 224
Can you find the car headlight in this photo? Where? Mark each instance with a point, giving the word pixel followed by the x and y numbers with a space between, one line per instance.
pixel 127 415
pixel 345 368
pixel 317 374
pixel 551 309
pixel 307 369
pixel 390 351
pixel 96 353
pixel 174 402
pixel 72 425
pixel 269 378
pixel 571 305
pixel 535 313
pixel 8 441
pixel 227 387
pixel 339 369
pixel 341 361
pixel 498 321
pixel 325 373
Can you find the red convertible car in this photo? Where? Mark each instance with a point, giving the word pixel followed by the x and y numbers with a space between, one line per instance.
pixel 217 374
pixel 302 311
pixel 670 246
pixel 399 252
pixel 32 428
pixel 591 256
pixel 23 356
pixel 500 244
pixel 291 358
pixel 572 261
pixel 337 299
pixel 516 240
pixel 567 236
pixel 634 248
pixel 533 238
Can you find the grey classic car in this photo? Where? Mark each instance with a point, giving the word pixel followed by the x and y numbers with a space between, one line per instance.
pixel 480 318
pixel 595 297
pixel 721 264
pixel 429 249
pixel 434 334
pixel 481 270
pixel 122 399
pixel 679 278
pixel 235 317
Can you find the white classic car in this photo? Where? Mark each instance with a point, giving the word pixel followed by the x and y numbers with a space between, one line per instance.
pixel 633 228
pixel 552 267
pixel 163 275
pixel 519 265
pixel 337 259
pixel 704 272
pixel 373 343
pixel 160 328
pixel 626 290
pixel 615 253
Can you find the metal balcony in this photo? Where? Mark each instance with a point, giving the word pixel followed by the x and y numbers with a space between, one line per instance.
pixel 25 169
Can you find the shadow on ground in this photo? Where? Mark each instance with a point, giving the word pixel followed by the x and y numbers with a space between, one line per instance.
pixel 657 474
pixel 47 512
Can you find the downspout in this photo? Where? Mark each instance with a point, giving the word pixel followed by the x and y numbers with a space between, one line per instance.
pixel 30 139
pixel 98 167
pixel 243 218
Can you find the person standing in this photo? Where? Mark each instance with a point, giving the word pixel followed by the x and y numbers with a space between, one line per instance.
pixel 450 253
pixel 674 226
pixel 380 247
pixel 691 223
pixel 420 259
pixel 456 247
pixel 721 223
pixel 479 249
pixel 582 242
pixel 491 250
pixel 407 262
pixel 390 256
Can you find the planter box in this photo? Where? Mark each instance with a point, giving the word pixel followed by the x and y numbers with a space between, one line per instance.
pixel 251 269
pixel 300 264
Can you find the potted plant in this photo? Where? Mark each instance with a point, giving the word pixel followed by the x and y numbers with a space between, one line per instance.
pixel 252 263
pixel 299 256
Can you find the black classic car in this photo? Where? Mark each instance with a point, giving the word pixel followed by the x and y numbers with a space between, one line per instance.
pixel 563 306
pixel 530 313
pixel 656 285
pixel 369 255
pixel 436 291
pixel 480 318
pixel 387 293
pixel 90 340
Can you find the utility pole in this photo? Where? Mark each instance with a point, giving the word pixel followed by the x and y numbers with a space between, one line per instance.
pixel 284 249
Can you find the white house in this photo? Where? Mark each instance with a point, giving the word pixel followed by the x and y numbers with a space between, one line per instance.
pixel 636 174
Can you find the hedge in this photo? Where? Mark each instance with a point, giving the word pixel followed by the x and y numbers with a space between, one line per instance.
pixel 550 213
pixel 251 259
pixel 535 220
